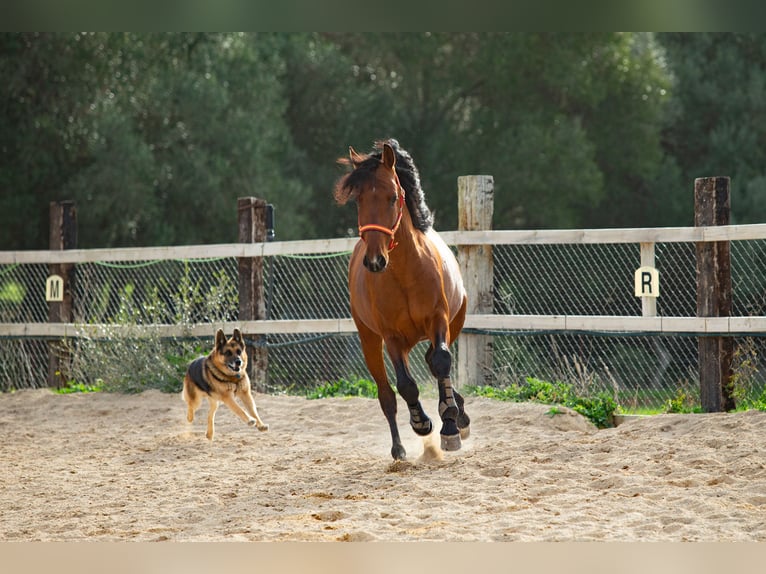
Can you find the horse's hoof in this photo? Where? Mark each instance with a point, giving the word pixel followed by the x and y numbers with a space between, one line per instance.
pixel 451 442
pixel 465 432
pixel 398 452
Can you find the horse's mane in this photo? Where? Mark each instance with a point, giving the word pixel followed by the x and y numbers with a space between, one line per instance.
pixel 348 186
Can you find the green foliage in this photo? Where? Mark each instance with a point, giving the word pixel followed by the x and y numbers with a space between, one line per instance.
pixel 156 135
pixel 716 124
pixel 748 390
pixel 541 112
pixel 755 401
pixel 682 402
pixel 126 356
pixel 533 390
pixel 132 363
pixel 12 292
pixel 599 409
pixel 76 387
pixel 357 387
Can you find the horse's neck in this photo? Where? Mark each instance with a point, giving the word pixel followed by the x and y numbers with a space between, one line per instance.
pixel 412 245
pixel 408 237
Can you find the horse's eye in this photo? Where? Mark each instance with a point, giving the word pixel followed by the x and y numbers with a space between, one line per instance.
pixel 393 200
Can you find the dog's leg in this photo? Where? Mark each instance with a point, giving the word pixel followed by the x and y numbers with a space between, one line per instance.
pixel 211 418
pixel 229 401
pixel 192 399
pixel 246 396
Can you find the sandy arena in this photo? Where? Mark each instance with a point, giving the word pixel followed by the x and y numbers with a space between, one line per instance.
pixel 111 467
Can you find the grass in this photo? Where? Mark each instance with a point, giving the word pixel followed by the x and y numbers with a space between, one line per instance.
pixel 599 409
pixel 353 387
pixel 75 387
pixel 642 411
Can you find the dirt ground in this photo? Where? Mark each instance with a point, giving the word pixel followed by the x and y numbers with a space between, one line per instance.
pixel 110 467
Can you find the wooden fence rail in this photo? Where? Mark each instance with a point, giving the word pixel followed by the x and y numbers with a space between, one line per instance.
pixel 346 244
pixel 707 326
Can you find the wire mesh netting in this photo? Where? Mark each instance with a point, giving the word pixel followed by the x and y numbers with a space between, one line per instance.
pixel 548 279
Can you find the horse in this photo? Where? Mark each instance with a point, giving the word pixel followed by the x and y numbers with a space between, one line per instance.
pixel 405 287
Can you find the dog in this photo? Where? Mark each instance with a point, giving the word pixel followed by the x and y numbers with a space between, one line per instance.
pixel 221 376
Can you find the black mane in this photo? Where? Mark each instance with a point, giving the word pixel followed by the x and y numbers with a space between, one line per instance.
pixel 414 197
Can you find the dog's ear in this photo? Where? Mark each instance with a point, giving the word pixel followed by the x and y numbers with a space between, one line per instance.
pixel 237 336
pixel 220 340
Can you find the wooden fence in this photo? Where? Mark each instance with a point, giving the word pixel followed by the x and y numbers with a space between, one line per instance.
pixel 474 242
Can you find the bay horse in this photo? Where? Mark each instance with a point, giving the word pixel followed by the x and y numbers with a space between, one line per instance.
pixel 405 287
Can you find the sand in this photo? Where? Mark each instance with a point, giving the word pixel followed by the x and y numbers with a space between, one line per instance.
pixel 110 467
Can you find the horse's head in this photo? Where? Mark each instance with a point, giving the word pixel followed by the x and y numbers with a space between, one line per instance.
pixel 380 203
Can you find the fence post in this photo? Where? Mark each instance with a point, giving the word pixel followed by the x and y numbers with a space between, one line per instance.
pixel 712 206
pixel 251 218
pixel 475 208
pixel 62 235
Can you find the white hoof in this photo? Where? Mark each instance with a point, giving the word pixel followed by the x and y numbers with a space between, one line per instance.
pixel 451 442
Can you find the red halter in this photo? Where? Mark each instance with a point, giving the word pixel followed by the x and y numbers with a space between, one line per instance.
pixel 386 230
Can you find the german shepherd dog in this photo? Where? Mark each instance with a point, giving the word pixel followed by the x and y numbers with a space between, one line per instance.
pixel 221 376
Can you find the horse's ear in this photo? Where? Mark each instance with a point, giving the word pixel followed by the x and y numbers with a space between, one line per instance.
pixel 355 158
pixel 389 157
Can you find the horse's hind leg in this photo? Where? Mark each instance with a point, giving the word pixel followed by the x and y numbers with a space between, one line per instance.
pixel 372 349
pixel 463 420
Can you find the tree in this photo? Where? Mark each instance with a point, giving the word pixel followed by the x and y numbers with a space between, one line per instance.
pixel 45 92
pixel 154 135
pixel 718 122
pixel 568 124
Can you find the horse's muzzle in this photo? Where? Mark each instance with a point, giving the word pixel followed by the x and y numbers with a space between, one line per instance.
pixel 376 264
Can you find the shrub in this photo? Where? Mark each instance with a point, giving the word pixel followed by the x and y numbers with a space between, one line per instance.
pixel 127 356
pixel 682 403
pixel 599 409
pixel 358 387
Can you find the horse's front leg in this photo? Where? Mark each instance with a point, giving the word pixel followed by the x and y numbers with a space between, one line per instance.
pixel 408 390
pixel 372 349
pixel 463 420
pixel 439 360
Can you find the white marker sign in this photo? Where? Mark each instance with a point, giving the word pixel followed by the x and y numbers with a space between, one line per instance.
pixel 647 282
pixel 54 288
